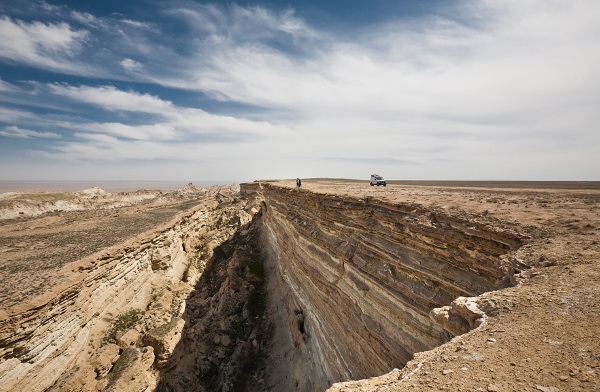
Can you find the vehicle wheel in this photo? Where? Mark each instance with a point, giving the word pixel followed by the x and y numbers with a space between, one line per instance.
pixel 371 184
pixel 384 184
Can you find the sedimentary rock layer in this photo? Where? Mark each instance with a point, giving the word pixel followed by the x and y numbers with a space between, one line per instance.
pixel 62 341
pixel 353 282
pixel 223 344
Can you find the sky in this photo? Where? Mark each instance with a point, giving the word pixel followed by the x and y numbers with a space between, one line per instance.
pixel 239 91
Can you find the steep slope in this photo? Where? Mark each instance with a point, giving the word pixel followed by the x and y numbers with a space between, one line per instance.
pixel 117 317
pixel 353 282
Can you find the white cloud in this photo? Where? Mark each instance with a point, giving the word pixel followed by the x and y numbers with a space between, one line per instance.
pixel 110 148
pixel 51 46
pixel 173 122
pixel 493 81
pixel 27 94
pixel 441 68
pixel 131 65
pixel 175 133
pixel 86 18
pixel 113 99
pixel 249 24
pixel 104 23
pixel 7 87
pixel 135 23
pixel 9 115
pixel 156 132
pixel 16 132
pixel 252 23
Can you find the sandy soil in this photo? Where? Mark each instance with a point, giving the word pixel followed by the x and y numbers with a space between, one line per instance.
pixel 541 335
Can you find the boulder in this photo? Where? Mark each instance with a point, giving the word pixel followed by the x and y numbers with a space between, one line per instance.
pixel 164 339
pixel 129 338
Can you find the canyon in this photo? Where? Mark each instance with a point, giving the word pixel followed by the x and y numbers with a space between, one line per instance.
pixel 335 286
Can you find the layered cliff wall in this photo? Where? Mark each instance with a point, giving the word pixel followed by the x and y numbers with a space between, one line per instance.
pixel 353 282
pixel 118 318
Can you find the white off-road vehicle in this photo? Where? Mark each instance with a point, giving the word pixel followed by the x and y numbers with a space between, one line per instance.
pixel 376 179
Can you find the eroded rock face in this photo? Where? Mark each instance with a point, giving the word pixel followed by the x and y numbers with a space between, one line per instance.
pixel 224 341
pixel 164 339
pixel 104 360
pixel 62 341
pixel 462 316
pixel 354 281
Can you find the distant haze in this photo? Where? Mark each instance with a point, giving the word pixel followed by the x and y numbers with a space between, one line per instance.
pixel 232 92
pixel 108 186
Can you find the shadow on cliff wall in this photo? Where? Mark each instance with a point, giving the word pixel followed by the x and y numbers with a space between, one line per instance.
pixel 223 344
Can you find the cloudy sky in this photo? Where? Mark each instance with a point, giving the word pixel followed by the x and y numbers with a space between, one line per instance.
pixel 237 91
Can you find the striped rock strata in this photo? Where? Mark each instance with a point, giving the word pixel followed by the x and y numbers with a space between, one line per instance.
pixel 59 341
pixel 354 281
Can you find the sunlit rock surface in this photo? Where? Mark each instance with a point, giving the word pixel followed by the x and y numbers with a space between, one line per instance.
pixel 354 280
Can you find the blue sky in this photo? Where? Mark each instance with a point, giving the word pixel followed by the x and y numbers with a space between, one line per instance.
pixel 237 91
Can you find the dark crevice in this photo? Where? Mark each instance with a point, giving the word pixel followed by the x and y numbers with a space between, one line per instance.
pixel 224 340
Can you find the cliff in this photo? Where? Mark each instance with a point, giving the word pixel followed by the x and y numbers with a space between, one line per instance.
pixel 116 316
pixel 354 282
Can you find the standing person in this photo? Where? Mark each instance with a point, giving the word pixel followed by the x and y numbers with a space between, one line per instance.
pixel 298 183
